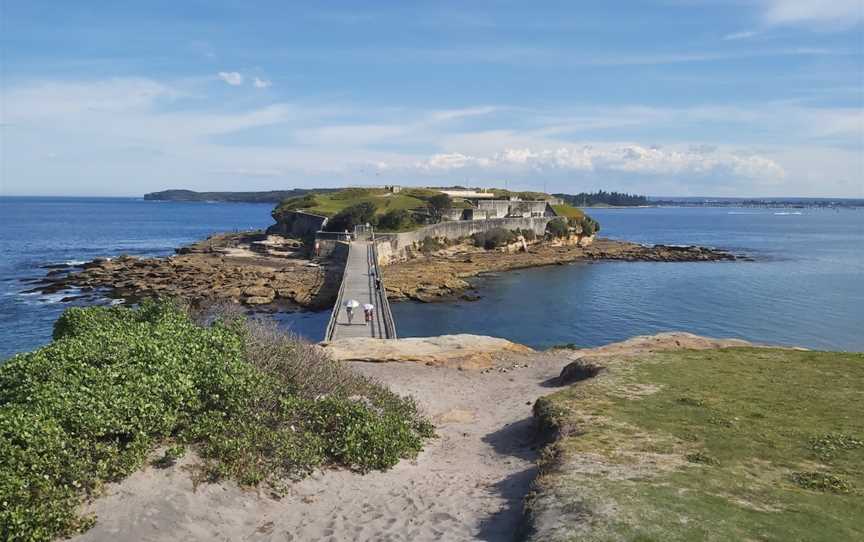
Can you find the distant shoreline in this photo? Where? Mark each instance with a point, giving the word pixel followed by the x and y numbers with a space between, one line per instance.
pixel 276 196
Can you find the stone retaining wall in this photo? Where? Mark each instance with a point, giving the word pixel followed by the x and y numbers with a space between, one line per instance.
pixel 393 246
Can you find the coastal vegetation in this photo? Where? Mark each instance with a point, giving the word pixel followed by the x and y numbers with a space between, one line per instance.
pixel 493 239
pixel 329 204
pixel 732 444
pixel 601 198
pixel 255 405
pixel 568 223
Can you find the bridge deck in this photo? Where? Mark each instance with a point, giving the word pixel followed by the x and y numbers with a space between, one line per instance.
pixel 358 283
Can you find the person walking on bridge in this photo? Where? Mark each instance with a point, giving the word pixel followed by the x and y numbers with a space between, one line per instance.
pixel 368 309
pixel 350 305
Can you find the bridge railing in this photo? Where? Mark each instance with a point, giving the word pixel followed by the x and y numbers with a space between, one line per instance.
pixel 334 315
pixel 383 302
pixel 389 324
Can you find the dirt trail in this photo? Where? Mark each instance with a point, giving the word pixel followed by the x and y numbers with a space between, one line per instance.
pixel 468 484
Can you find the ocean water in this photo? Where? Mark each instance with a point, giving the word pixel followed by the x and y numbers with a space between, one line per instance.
pixel 805 288
pixel 41 231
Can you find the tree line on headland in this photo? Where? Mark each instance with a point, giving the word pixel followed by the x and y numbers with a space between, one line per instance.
pixel 602 198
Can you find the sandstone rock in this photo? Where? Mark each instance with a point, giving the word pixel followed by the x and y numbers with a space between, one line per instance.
pixel 463 350
pixel 259 291
pixel 257 300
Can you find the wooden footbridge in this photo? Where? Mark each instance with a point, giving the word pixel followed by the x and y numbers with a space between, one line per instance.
pixel 362 282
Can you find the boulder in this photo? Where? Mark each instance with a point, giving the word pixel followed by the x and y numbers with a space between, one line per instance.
pixel 259 291
pixel 257 300
pixel 463 350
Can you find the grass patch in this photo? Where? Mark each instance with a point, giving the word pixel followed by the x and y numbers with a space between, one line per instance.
pixel 331 203
pixel 568 211
pixel 733 444
pixel 115 383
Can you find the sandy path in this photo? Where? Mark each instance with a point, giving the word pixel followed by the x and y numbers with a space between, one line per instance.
pixel 468 484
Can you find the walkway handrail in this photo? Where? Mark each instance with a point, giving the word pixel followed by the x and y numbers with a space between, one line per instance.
pixel 383 302
pixel 334 314
pixel 386 326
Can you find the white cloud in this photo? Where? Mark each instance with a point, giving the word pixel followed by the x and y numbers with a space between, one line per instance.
pixel 235 79
pixel 842 13
pixel 130 136
pixel 740 35
pixel 261 83
pixel 454 114
pixel 630 158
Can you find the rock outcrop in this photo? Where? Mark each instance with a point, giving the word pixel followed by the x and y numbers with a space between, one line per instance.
pixel 222 268
pixel 463 350
pixel 442 274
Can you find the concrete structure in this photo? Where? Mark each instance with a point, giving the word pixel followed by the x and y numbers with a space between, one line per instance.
pixel 362 282
pixel 393 246
pixel 513 208
pixel 467 194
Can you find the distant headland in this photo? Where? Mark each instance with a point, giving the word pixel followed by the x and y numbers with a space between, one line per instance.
pixel 600 198
pixel 271 196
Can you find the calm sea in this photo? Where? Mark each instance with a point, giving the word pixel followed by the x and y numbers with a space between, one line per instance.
pixel 805 288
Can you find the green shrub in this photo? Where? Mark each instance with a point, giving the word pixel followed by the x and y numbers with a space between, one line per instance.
pixel 395 220
pixel 494 238
pixel 557 227
pixel 589 225
pixel 117 382
pixel 819 481
pixel 438 205
pixel 829 445
pixel 703 458
pixel 351 216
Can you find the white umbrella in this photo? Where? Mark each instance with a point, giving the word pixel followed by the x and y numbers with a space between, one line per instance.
pixel 368 306
pixel 352 303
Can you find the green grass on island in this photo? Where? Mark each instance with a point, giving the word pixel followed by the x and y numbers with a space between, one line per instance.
pixel 405 210
pixel 568 212
pixel 331 203
pixel 733 444
pixel 256 405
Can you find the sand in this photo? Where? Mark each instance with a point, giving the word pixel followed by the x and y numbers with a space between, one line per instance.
pixel 468 484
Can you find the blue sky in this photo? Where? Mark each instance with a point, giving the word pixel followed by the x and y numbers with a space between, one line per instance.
pixel 676 97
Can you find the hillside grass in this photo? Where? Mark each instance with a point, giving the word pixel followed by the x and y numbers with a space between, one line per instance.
pixel 331 203
pixel 256 405
pixel 733 444
pixel 568 211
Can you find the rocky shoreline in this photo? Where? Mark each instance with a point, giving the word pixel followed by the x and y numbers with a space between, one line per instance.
pixel 250 268
pixel 443 275
pixel 274 273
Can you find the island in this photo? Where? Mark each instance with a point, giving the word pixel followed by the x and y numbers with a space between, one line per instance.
pixel 430 243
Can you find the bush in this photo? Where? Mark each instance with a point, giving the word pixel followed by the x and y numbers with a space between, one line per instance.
pixel 438 205
pixel 557 227
pixel 395 220
pixel 493 239
pixel 351 216
pixel 117 382
pixel 589 225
